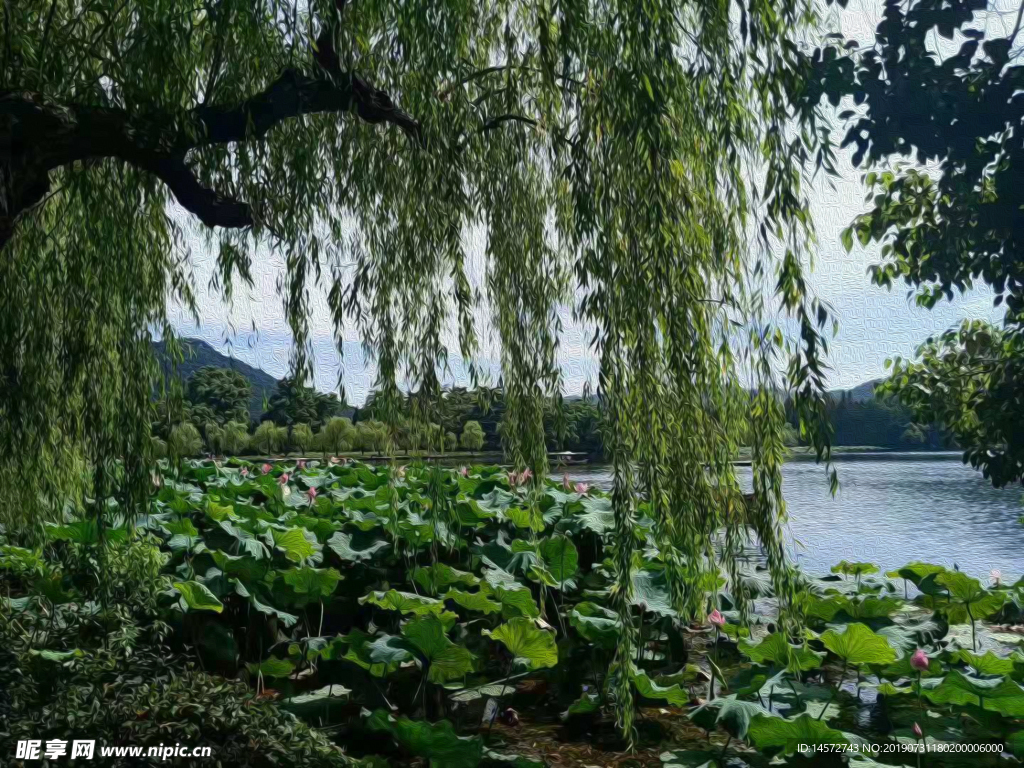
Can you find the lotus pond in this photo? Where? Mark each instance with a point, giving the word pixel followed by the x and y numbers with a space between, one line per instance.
pixel 427 616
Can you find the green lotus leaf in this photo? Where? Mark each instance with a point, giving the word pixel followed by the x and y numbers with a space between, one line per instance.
pixel 855 569
pixel 58 656
pixel 776 651
pixel 245 568
pixel 516 599
pixel 244 540
pixel 768 732
pixel 436 742
pixel 998 694
pixel 446 660
pixel 561 560
pixel 730 713
pixel 435 577
pixel 587 704
pixel 473 601
pixel 525 518
pixel 298 544
pixel 597 515
pixel 403 602
pixel 319 705
pixel 198 597
pixel 650 593
pixel 597 624
pixel 380 656
pixel 288 619
pixel 317 583
pixel 859 645
pixel 356 549
pixel 531 647
pixel 673 694
pixel 272 667
pixel 496 501
pixel 219 512
pixel 989 664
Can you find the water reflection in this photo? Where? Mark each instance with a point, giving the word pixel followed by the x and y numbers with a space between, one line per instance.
pixel 894 508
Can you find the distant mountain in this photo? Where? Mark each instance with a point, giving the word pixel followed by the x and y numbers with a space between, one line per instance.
pixel 199 354
pixel 860 393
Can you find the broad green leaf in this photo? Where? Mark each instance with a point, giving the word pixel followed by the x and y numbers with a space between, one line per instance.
pixel 317 583
pixel 473 601
pixel 859 645
pixel 446 660
pixel 272 667
pixel 436 742
pixel 855 569
pixel 598 625
pixel 197 597
pixel 776 651
pixel 298 544
pixel 768 732
pixel 673 694
pixel 404 602
pixel 532 648
pixel 560 559
pixel 356 549
pixel 729 712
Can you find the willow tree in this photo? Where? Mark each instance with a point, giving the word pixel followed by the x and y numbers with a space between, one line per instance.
pixel 636 160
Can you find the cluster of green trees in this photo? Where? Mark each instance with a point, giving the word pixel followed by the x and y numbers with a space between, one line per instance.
pixel 211 415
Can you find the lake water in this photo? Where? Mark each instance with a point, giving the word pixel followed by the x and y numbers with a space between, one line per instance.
pixel 893 508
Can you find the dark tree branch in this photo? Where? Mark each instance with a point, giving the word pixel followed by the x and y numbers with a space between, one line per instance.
pixel 212 208
pixel 38 135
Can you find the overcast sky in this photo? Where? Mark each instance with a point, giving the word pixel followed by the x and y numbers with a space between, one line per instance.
pixel 874 324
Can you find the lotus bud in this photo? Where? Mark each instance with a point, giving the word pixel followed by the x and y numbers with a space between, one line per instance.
pixel 301 464
pixel 919 660
pixel 566 482
pixel 716 619
pixel 917 731
pixel 513 479
pixel 311 494
pixel 283 479
pixel 400 472
pixel 244 472
pixel 995 577
pixel 525 476
pixel 266 469
pixel 464 471
pixel 582 488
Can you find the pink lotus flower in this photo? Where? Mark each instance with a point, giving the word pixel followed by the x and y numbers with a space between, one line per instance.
pixel 513 479
pixel 917 731
pixel 566 482
pixel 464 471
pixel 283 479
pixel 582 488
pixel 526 475
pixel 266 469
pixel 995 577
pixel 311 495
pixel 334 459
pixel 716 619
pixel 919 660
pixel 245 472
